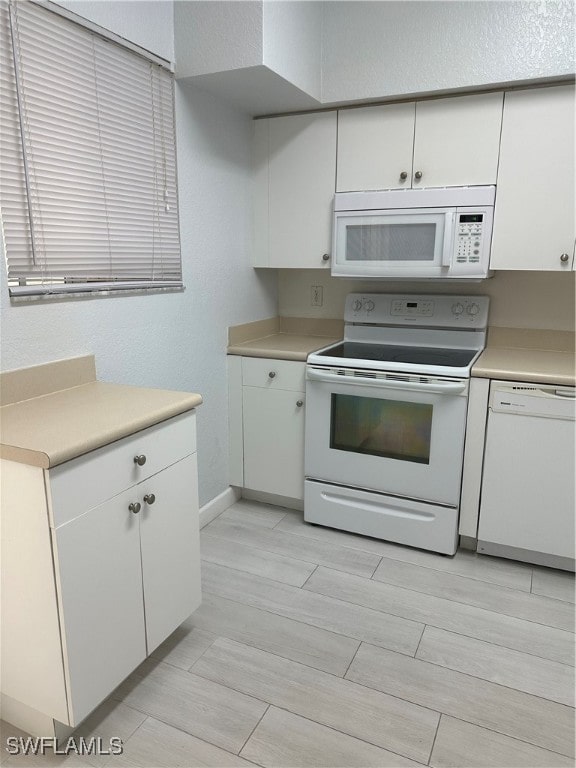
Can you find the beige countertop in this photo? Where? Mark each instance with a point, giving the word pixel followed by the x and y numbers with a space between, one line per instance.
pixel 282 346
pixel 48 429
pixel 283 338
pixel 541 357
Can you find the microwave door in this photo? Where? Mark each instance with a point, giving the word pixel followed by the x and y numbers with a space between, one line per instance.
pixel 399 243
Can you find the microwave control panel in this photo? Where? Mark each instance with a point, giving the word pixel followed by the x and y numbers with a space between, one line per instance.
pixel 469 238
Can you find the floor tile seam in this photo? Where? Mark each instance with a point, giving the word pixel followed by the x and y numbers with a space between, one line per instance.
pixel 434 739
pixel 201 677
pixel 420 640
pixel 316 626
pixel 495 682
pixel 294 661
pixel 202 654
pixel 472 677
pixel 408 562
pixel 376 568
pixel 514 738
pixel 148 716
pixel 343 733
pixel 307 590
pixel 506 647
pixel 428 623
pixel 252 731
pixel 309 577
pixel 446 599
pixel 260 549
pixel 321 671
pixel 264 549
pixel 352 659
pixel 260 575
pixel 470 722
pixel 257 575
pixel 458 575
pixel 473 605
pixel 556 599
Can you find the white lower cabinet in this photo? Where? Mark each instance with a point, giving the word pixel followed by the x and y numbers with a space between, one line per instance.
pixel 267 443
pixel 90 589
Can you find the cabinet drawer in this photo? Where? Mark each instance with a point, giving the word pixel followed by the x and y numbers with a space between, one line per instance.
pixel 287 374
pixel 81 484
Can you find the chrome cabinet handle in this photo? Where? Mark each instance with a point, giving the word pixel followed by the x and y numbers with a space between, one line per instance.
pixel 140 460
pixel 150 498
pixel 135 507
pixel 418 175
pixel 404 175
pixel 272 375
pixel 564 258
pixel 299 403
pixel 325 257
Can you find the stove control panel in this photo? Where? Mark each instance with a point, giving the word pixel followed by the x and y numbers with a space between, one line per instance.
pixel 425 310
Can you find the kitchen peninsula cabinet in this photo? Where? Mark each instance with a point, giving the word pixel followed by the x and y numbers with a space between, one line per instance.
pixel 434 143
pixel 267 443
pixel 100 548
pixel 295 171
pixel 534 213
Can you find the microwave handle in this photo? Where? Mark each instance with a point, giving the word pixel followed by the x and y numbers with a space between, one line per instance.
pixel 448 237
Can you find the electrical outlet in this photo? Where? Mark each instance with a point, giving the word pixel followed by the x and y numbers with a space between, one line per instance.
pixel 317 296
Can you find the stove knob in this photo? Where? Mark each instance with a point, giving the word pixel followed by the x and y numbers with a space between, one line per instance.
pixel 357 305
pixel 369 306
pixel 473 309
pixel 457 309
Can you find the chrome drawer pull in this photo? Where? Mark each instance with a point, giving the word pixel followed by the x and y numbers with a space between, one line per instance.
pixel 135 507
pixel 150 498
pixel 140 460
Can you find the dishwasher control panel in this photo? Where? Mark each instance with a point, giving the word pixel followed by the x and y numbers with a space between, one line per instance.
pixel 546 400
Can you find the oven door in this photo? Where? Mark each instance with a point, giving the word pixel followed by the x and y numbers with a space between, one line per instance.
pixel 395 434
pixel 393 243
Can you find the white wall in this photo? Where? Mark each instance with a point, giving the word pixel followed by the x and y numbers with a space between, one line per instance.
pixel 176 340
pixel 377 50
pixel 216 35
pixel 148 23
pixel 292 42
pixel 517 299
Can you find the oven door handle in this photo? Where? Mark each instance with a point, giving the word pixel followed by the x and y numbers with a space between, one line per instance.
pixel 439 387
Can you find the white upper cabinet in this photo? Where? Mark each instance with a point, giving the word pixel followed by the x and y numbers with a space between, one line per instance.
pixel 456 141
pixel 375 147
pixel 534 213
pixel 295 173
pixel 437 143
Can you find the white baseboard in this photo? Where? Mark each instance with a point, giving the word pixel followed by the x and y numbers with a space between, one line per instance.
pixel 218 504
pixel 272 498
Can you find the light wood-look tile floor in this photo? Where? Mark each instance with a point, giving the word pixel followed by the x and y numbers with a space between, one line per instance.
pixel 315 647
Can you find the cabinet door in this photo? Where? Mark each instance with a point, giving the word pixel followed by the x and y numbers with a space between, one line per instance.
pixel 302 179
pixel 274 441
pixel 534 213
pixel 100 594
pixel 169 530
pixel 375 147
pixel 456 141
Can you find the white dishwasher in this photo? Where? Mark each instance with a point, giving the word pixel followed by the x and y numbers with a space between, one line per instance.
pixel 527 503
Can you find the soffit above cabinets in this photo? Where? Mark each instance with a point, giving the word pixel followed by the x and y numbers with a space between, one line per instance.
pixel 270 57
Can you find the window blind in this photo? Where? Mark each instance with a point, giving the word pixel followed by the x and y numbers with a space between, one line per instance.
pixel 88 167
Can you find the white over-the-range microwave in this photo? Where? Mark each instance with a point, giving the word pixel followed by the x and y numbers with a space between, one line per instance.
pixel 413 233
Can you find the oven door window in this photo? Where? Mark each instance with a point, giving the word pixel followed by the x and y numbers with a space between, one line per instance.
pixel 378 427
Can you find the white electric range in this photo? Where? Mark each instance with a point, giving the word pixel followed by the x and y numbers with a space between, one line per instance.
pixel 386 417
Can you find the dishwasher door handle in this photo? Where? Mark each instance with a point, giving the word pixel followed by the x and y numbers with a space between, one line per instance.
pixel 438 387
